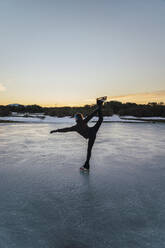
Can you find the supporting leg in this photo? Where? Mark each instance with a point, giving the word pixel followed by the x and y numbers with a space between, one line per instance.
pixel 93 137
pixel 90 145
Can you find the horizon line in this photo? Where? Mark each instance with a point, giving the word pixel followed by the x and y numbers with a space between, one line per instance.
pixel 77 106
pixel 138 98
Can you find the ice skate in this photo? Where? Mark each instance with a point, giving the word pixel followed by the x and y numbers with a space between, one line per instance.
pixel 101 100
pixel 82 168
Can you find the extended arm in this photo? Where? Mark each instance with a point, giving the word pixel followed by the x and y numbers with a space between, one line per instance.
pixel 64 130
pixel 89 117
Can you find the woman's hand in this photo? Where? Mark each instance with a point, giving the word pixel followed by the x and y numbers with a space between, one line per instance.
pixel 54 131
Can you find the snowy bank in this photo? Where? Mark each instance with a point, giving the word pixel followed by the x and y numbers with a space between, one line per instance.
pixel 142 118
pixel 116 118
pixel 67 119
pixel 47 119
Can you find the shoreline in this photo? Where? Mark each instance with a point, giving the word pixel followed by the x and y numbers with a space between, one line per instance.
pixel 107 119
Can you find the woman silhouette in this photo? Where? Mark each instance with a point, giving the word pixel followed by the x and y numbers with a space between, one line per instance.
pixel 84 130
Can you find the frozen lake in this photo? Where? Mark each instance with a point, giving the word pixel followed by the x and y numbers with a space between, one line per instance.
pixel 47 203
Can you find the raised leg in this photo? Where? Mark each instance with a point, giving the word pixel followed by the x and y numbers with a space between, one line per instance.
pixel 100 120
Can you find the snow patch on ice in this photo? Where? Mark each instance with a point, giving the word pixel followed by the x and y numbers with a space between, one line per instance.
pixel 115 118
pixel 47 119
pixel 69 119
pixel 143 118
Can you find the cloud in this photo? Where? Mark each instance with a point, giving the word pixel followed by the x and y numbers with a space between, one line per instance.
pixel 2 88
pixel 156 96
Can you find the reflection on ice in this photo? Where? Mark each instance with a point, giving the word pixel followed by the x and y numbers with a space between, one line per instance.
pixel 47 202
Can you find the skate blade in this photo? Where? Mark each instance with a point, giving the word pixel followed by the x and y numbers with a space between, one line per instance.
pixel 84 169
pixel 103 98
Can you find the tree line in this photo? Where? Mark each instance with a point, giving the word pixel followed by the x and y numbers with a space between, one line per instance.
pixel 112 107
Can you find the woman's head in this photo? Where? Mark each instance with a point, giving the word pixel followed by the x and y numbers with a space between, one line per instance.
pixel 79 117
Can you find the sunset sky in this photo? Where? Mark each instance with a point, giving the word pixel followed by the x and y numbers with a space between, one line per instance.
pixel 68 52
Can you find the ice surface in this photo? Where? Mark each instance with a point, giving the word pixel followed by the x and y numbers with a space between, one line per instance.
pixel 47 203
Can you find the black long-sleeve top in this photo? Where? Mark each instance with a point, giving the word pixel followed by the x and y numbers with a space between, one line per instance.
pixel 81 128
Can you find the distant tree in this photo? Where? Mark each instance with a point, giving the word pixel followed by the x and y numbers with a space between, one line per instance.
pixel 4 111
pixel 152 104
pixel 16 108
pixel 34 109
pixel 109 108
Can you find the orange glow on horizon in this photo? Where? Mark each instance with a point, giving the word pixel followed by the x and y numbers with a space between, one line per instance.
pixel 139 98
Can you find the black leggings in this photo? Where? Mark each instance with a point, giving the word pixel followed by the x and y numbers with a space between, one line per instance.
pixel 92 137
